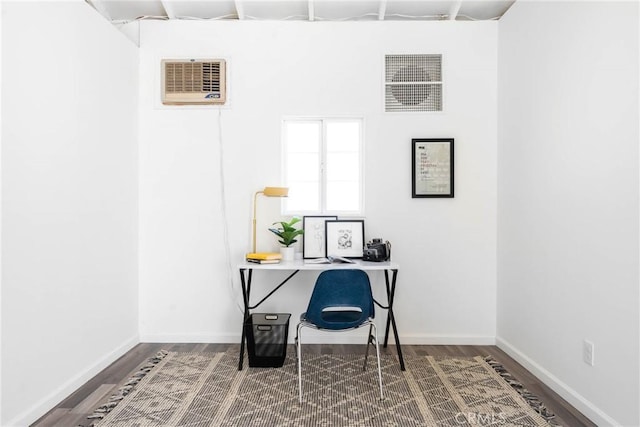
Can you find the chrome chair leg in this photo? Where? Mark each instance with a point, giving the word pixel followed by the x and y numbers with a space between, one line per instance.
pixel 299 357
pixel 366 352
pixel 378 357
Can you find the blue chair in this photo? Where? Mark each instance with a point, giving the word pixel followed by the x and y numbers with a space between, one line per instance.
pixel 341 300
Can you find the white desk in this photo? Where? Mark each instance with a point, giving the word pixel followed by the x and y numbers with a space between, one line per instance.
pixel 246 273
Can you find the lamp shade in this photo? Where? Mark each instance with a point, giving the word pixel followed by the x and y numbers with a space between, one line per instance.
pixel 275 191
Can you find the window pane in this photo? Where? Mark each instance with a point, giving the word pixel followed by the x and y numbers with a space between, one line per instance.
pixel 323 165
pixel 343 167
pixel 343 136
pixel 303 167
pixel 303 137
pixel 303 196
pixel 303 142
pixel 343 196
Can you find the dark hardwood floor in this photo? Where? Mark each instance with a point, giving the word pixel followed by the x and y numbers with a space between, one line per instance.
pixel 73 410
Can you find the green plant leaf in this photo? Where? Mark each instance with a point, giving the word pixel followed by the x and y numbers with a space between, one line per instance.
pixel 287 232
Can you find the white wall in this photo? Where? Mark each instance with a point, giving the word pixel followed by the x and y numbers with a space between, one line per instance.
pixel 446 248
pixel 568 207
pixel 1 11
pixel 567 214
pixel 69 207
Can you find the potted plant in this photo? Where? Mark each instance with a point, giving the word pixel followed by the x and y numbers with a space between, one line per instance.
pixel 287 234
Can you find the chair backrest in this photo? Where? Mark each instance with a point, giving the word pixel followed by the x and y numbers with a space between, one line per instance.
pixel 341 299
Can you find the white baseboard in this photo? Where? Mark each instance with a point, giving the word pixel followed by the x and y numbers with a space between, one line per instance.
pixel 314 337
pixel 44 405
pixel 431 339
pixel 587 408
pixel 191 338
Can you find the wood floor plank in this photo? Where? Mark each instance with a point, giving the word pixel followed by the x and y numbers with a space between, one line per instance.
pixel 92 401
pixel 55 418
pixel 73 410
pixel 70 420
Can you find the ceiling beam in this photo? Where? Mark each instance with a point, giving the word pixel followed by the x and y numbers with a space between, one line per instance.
pixel 239 9
pixel 454 9
pixel 168 9
pixel 382 10
pixel 100 6
pixel 312 10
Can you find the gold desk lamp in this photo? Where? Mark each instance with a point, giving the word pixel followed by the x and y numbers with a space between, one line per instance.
pixel 267 192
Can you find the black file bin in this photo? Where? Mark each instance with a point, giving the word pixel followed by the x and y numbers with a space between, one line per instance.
pixel 267 339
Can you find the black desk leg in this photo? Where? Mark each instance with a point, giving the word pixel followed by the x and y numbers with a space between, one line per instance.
pixel 246 288
pixel 391 319
pixel 390 302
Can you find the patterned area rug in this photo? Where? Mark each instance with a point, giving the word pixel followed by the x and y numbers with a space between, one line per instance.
pixel 206 389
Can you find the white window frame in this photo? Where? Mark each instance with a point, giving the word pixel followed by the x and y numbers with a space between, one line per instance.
pixel 322 179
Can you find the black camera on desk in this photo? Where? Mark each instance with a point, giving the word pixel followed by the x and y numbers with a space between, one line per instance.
pixel 377 251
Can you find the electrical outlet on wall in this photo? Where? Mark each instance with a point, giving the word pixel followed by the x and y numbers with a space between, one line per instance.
pixel 588 352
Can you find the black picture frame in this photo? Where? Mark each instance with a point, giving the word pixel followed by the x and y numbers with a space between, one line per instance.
pixel 432 167
pixel 345 238
pixel 314 244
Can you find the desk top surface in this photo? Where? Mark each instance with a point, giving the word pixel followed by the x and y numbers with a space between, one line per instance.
pixel 301 265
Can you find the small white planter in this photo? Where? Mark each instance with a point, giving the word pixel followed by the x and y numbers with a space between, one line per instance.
pixel 288 253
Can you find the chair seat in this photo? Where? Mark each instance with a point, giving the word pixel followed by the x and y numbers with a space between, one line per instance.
pixel 339 319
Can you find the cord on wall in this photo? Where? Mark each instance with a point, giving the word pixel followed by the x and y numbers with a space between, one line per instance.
pixel 223 211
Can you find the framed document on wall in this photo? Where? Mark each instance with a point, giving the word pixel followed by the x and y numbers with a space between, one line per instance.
pixel 432 167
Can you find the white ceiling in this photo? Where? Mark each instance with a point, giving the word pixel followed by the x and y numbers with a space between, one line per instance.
pixel 123 11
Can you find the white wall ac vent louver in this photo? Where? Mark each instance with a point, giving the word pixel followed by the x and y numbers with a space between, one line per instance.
pixel 413 83
pixel 193 81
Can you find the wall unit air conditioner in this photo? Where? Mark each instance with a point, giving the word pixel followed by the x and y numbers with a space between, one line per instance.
pixel 194 81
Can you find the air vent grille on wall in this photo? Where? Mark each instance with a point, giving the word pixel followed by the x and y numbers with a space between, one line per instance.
pixel 413 83
pixel 187 82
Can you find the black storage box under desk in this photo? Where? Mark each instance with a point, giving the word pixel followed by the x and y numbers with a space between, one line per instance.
pixel 267 339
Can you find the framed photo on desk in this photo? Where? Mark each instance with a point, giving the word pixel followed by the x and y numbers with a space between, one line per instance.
pixel 314 244
pixel 345 238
